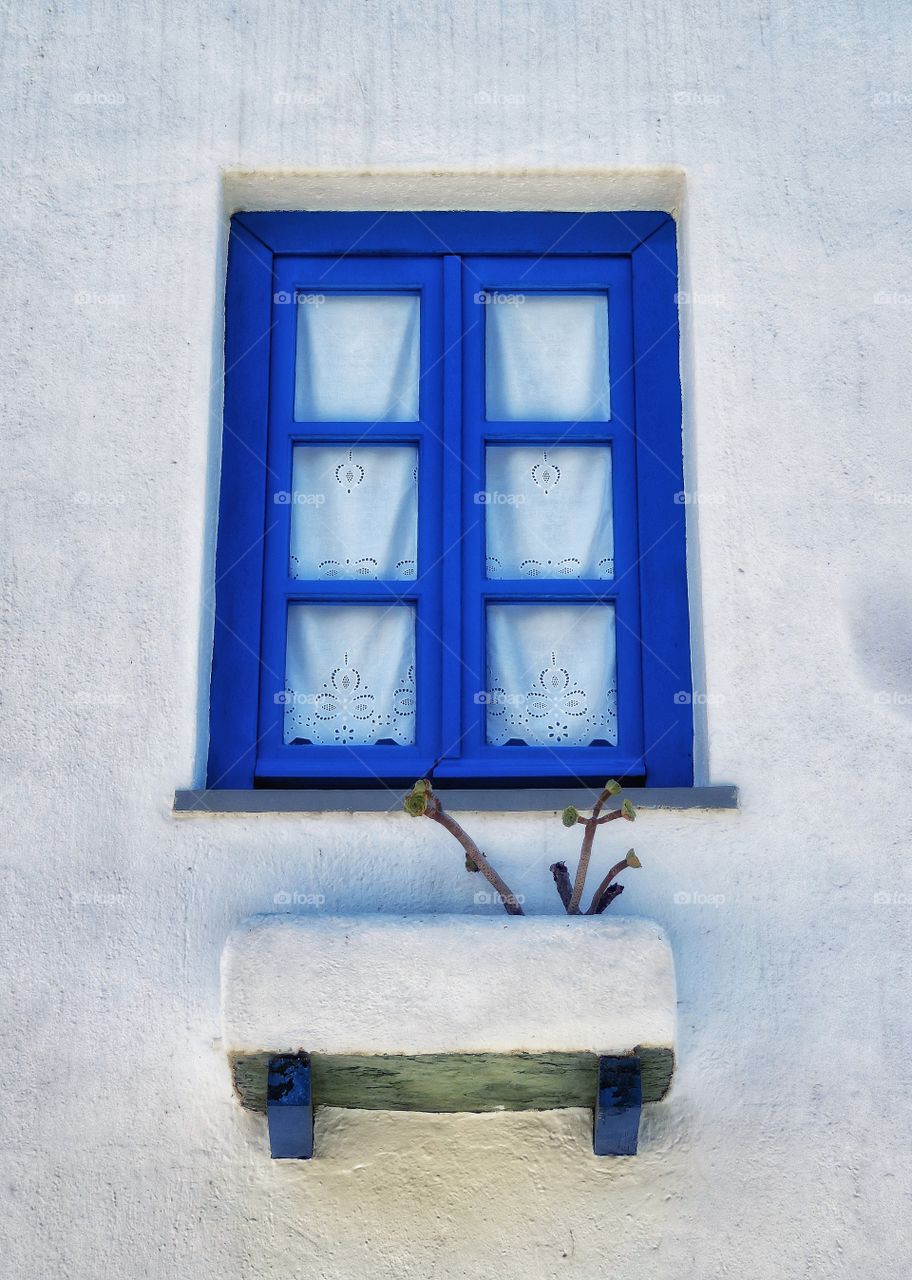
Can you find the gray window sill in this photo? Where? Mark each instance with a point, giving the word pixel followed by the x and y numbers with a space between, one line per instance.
pixel 508 800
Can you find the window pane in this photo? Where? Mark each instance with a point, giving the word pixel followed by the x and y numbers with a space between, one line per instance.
pixel 357 358
pixel 546 357
pixel 551 675
pixel 354 512
pixel 350 675
pixel 548 512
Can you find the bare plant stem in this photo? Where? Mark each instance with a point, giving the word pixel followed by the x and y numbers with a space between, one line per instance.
pixel 590 824
pixel 436 813
pixel 601 890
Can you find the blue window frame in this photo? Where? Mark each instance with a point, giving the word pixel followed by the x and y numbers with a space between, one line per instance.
pixel 453 265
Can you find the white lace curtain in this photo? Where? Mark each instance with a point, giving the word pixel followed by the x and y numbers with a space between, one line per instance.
pixel 357 358
pixel 551 675
pixel 546 357
pixel 350 675
pixel 354 512
pixel 551 672
pixel 549 512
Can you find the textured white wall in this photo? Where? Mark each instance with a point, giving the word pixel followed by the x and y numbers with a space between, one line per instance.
pixel 784 1150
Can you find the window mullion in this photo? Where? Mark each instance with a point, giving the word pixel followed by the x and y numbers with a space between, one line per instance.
pixel 453 530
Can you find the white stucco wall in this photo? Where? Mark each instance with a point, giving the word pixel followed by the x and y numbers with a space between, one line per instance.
pixel 783 1150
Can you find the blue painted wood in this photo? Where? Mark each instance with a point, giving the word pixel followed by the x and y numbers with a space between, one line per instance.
pixel 309 275
pixel 234 681
pixel 616 1123
pixel 446 256
pixel 667 680
pixel 289 1108
pixel 505 275
pixel 452 233
pixel 574 766
pixel 452 697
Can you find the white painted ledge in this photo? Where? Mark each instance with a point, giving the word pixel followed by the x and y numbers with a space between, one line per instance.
pixel 447 984
pixel 597 188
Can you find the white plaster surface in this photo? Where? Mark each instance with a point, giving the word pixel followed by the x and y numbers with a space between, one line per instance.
pixel 447 984
pixel 783 1150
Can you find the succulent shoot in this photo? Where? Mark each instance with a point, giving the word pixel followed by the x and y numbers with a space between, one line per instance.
pixel 416 802
pixel 421 802
pixel 606 892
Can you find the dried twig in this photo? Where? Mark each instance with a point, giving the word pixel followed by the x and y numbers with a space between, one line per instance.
pixel 562 880
pixel 613 891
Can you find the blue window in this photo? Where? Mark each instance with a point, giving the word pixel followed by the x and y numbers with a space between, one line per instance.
pixel 451 527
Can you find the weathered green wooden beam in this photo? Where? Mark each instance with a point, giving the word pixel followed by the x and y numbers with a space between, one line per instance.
pixel 453 1082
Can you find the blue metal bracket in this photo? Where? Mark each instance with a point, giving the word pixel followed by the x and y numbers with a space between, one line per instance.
pixel 617 1107
pixel 289 1108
